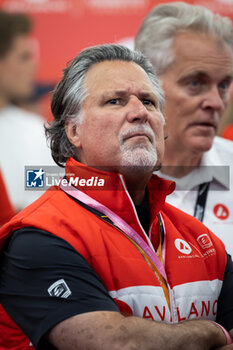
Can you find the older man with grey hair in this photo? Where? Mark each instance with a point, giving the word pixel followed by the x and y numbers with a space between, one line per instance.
pixel 192 52
pixel 94 259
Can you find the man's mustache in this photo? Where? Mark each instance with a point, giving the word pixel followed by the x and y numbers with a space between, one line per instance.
pixel 137 130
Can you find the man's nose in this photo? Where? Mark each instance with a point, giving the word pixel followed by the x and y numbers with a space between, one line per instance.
pixel 214 101
pixel 137 111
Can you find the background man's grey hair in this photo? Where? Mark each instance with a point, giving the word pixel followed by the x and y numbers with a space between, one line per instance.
pixel 161 25
pixel 70 93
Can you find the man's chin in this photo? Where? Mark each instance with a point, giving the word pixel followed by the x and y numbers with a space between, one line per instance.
pixel 199 144
pixel 203 146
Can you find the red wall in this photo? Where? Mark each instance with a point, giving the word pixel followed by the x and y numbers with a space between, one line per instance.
pixel 64 27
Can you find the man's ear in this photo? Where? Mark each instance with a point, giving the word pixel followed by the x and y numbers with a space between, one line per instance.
pixel 73 133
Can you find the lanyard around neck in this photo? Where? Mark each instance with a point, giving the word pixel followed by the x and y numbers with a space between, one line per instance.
pixel 200 205
pixel 119 223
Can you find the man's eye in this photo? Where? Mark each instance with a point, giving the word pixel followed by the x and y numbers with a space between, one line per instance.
pixel 224 85
pixel 147 102
pixel 114 101
pixel 194 83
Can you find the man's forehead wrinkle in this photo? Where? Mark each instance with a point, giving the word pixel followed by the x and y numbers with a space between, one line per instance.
pixel 212 56
pixel 129 91
pixel 125 92
pixel 204 69
pixel 194 73
pixel 203 59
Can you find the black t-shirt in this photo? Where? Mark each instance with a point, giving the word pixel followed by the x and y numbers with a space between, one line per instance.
pixel 143 211
pixel 44 280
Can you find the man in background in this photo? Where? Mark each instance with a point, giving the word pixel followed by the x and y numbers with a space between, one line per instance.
pixel 22 139
pixel 191 51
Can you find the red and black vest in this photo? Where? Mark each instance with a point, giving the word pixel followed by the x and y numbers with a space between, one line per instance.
pixel 194 258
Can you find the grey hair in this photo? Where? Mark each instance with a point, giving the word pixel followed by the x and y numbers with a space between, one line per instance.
pixel 161 25
pixel 70 93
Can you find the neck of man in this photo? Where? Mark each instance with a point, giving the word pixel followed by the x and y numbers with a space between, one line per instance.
pixel 180 164
pixel 136 186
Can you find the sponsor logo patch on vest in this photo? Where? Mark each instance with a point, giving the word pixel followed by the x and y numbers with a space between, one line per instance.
pixel 204 241
pixel 59 289
pixel 183 246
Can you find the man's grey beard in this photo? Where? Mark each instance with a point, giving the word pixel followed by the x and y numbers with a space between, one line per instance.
pixel 141 157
